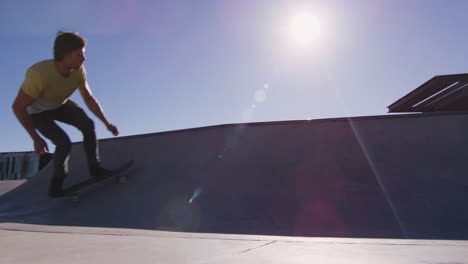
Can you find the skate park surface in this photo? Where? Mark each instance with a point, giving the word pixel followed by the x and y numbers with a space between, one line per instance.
pixel 391 189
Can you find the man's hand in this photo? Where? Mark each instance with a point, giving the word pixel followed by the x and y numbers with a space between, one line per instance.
pixel 113 129
pixel 22 101
pixel 96 108
pixel 40 146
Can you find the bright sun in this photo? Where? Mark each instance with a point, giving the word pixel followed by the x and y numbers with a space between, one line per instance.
pixel 304 28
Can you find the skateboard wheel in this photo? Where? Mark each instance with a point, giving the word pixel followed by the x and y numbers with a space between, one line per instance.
pixel 123 179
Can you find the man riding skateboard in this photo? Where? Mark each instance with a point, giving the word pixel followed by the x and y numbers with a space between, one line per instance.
pixel 44 98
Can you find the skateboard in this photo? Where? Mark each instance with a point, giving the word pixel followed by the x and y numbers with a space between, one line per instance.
pixel 118 173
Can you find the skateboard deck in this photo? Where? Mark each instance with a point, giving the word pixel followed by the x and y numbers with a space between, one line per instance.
pixel 76 190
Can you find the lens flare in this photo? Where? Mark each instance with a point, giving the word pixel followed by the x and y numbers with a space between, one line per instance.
pixel 198 191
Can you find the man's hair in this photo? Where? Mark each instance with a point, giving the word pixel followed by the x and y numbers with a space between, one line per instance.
pixel 66 42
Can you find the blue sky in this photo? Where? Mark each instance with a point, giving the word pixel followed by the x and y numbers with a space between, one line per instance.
pixel 165 65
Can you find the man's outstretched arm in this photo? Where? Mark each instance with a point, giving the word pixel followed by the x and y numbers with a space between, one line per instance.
pixel 96 108
pixel 22 101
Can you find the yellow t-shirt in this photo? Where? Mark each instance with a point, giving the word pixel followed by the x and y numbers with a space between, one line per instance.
pixel 50 89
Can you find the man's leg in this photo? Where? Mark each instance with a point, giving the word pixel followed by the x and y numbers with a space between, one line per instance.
pixel 54 133
pixel 74 115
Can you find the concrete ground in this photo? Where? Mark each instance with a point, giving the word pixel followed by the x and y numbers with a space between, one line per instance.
pixel 52 244
pixel 6 186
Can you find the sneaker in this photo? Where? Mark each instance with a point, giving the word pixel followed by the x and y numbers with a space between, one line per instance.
pixel 56 189
pixel 55 193
pixel 100 172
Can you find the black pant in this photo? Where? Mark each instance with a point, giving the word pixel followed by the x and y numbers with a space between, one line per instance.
pixel 69 113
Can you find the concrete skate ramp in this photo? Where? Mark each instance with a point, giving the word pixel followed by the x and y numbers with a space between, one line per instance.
pixel 390 177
